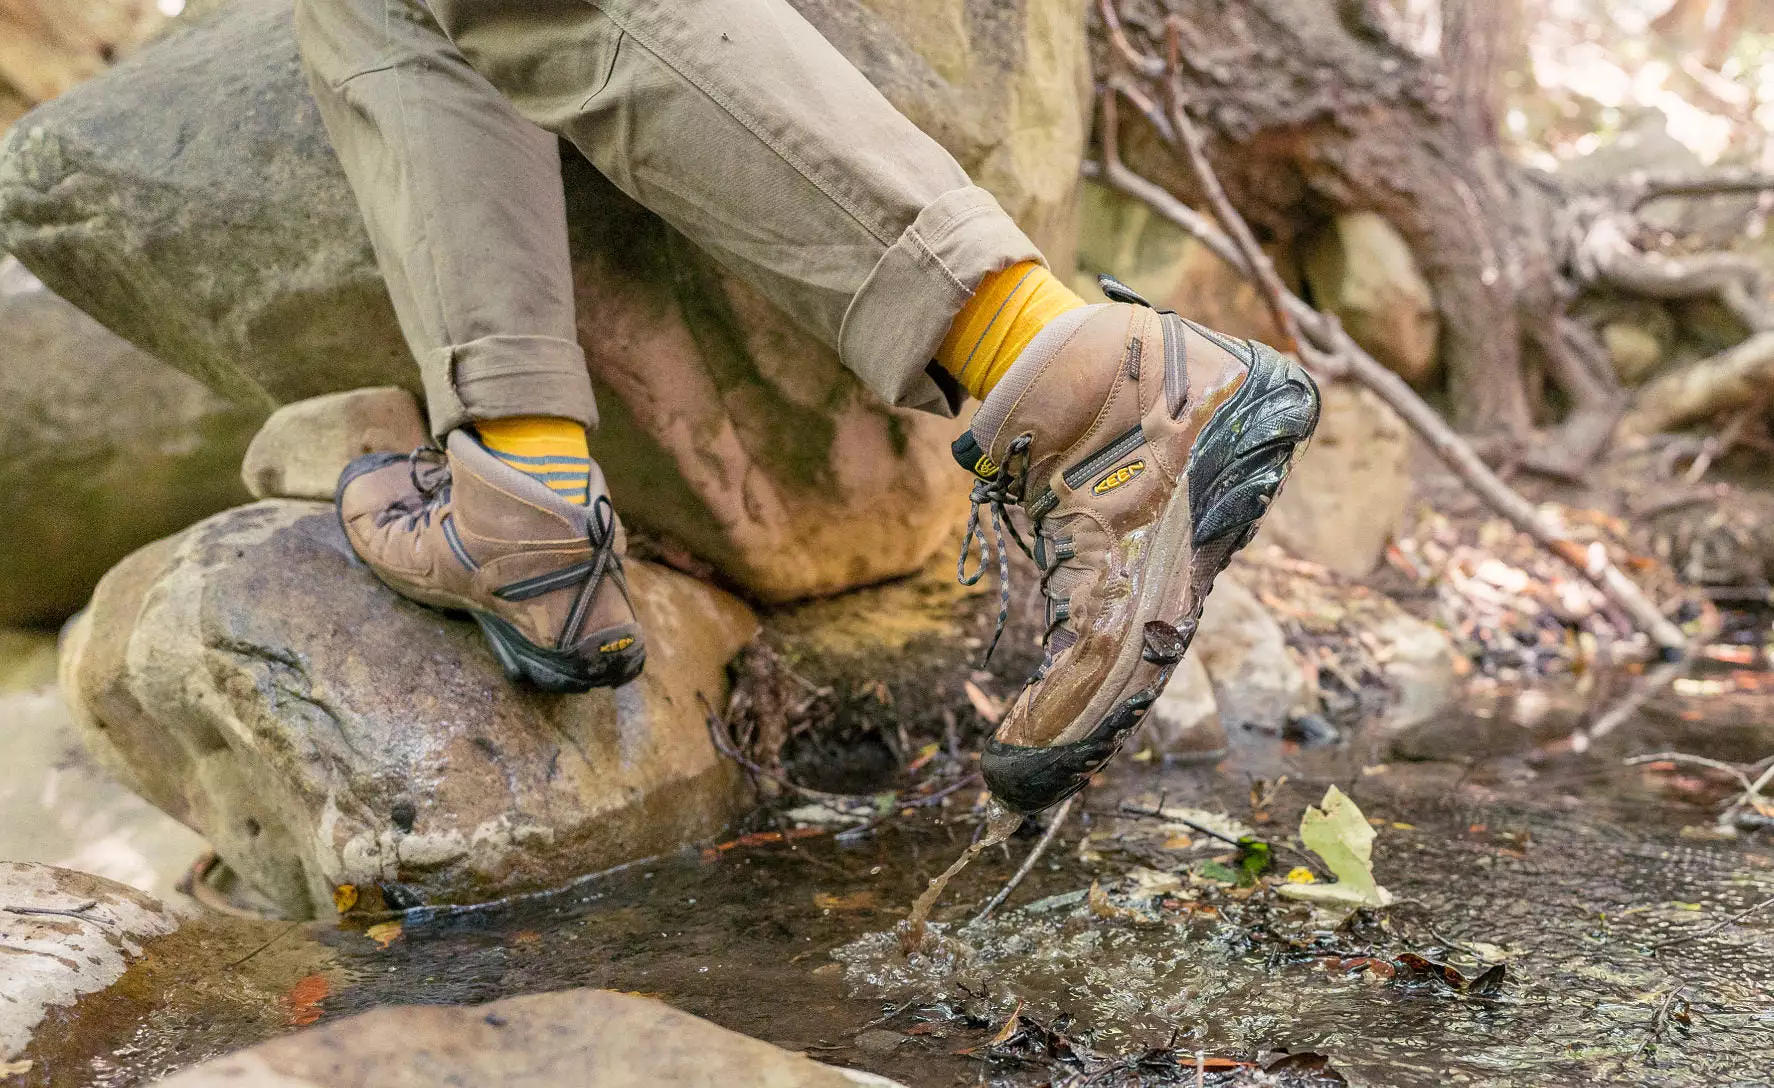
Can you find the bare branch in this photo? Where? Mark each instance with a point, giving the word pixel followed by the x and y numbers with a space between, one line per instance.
pixel 1642 189
pixel 1731 379
pixel 1256 262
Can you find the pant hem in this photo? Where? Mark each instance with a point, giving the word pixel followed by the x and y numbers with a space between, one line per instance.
pixel 497 377
pixel 898 319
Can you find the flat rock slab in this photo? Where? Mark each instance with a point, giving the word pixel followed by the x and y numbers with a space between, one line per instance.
pixel 252 679
pixel 570 1039
pixel 63 934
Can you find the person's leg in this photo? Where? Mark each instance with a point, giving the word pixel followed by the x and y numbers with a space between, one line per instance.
pixel 736 122
pixel 463 202
pixel 462 198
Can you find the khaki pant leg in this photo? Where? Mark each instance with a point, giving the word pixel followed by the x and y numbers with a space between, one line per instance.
pixel 736 122
pixel 462 197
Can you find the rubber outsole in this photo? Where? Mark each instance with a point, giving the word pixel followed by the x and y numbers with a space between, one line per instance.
pixel 1235 470
pixel 563 672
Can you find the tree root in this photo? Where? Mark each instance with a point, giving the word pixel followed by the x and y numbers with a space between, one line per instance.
pixel 1735 378
pixel 1322 343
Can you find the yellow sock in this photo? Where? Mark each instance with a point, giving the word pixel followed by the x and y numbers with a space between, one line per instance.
pixel 551 449
pixel 998 322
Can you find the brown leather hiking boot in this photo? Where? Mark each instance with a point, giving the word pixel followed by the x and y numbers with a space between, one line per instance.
pixel 465 531
pixel 1144 450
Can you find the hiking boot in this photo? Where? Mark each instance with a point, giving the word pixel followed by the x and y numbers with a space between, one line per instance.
pixel 466 532
pixel 1144 450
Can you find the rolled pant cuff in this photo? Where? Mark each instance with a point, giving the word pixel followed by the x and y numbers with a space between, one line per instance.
pixel 497 377
pixel 898 319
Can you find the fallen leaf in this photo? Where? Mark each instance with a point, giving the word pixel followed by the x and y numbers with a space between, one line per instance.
pixel 1178 842
pixel 384 933
pixel 15 1069
pixel 1339 834
pixel 1009 1028
pixel 304 998
pixel 344 897
pixel 1299 874
pixel 862 900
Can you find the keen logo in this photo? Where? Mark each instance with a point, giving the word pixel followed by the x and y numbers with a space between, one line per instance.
pixel 1118 477
pixel 613 647
pixel 986 468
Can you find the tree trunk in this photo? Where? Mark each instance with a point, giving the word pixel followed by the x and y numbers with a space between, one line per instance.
pixel 1313 109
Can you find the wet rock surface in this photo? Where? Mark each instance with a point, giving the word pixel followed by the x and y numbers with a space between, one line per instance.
pixel 63 934
pixel 103 448
pixel 1257 685
pixel 570 1039
pixel 253 681
pixel 725 428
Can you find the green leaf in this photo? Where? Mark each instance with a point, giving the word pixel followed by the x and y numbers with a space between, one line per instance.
pixel 1339 834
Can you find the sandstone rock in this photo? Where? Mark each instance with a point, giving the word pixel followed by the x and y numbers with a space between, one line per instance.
pixel 252 680
pixel 1128 240
pixel 1256 682
pixel 726 429
pixel 47 46
pixel 1361 269
pixel 102 449
pixel 302 448
pixel 1419 663
pixel 1634 350
pixel 63 934
pixel 1351 487
pixel 569 1039
pixel 1185 721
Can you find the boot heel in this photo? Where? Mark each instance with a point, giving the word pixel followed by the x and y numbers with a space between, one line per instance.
pixel 1246 451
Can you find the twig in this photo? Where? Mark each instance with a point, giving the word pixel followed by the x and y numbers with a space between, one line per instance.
pixel 1710 930
pixel 1642 692
pixel 1329 351
pixel 1750 796
pixel 1700 761
pixel 1047 837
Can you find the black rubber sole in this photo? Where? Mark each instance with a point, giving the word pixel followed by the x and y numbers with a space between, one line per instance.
pixel 1237 467
pixel 562 672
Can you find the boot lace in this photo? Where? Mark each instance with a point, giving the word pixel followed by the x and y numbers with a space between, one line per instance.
pixel 600 531
pixel 429 470
pixel 998 494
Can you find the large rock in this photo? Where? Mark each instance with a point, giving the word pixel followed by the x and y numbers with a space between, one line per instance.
pixel 63 934
pixel 252 680
pixel 189 200
pixel 569 1039
pixel 301 450
pixel 1125 238
pixel 1361 269
pixel 1257 684
pixel 102 449
pixel 1351 489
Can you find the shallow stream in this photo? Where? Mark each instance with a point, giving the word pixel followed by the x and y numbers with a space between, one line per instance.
pixel 1569 869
